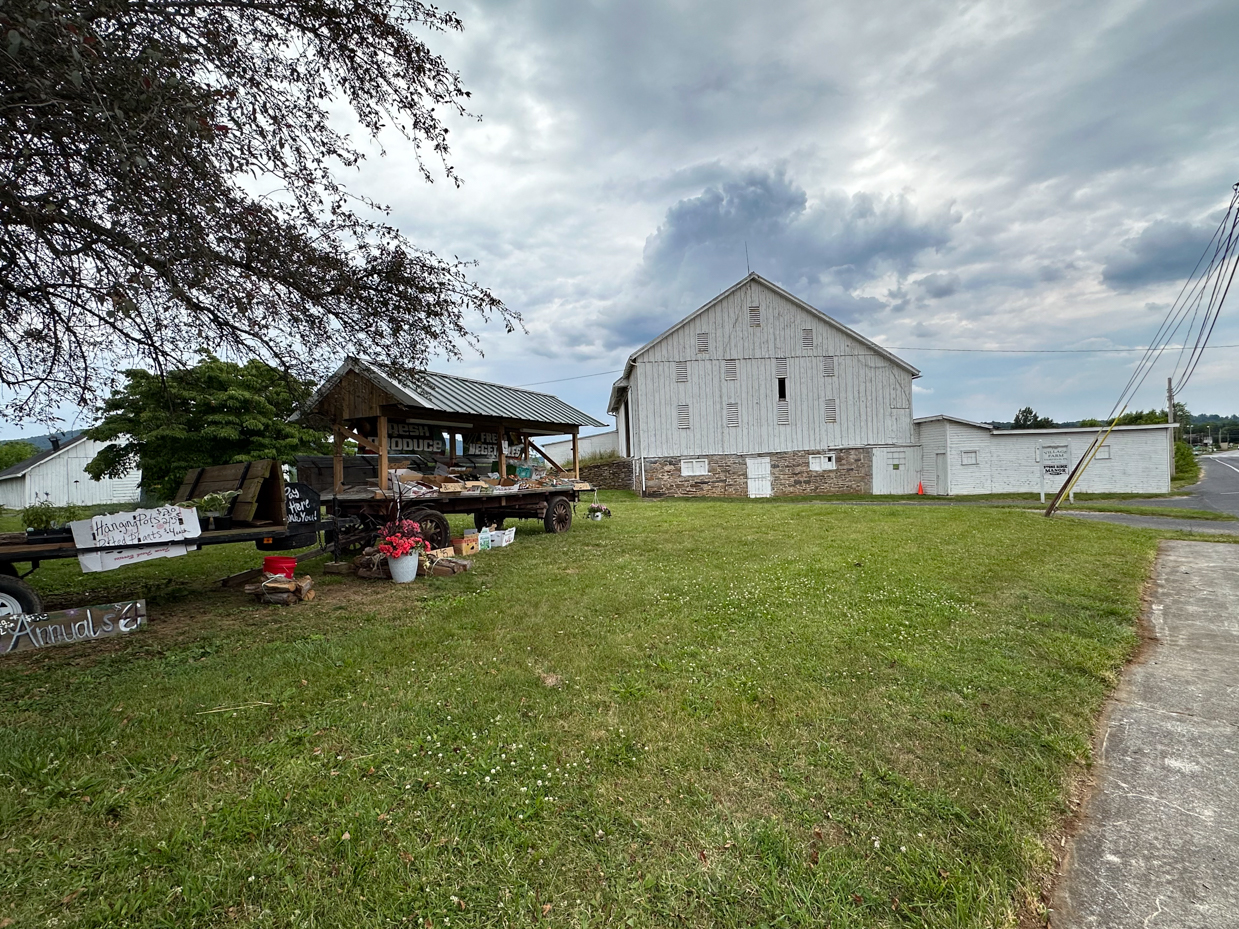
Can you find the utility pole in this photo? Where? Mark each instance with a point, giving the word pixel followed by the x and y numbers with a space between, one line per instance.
pixel 1170 419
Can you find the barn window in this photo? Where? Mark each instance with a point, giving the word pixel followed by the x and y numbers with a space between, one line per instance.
pixel 782 389
pixel 731 369
pixel 681 416
pixel 691 467
pixel 733 415
pixel 897 459
pixel 832 411
pixel 780 367
pixel 806 339
pixel 703 342
pixel 681 371
pixel 785 413
pixel 1103 453
pixel 968 457
pixel 828 366
pixel 754 315
pixel 821 462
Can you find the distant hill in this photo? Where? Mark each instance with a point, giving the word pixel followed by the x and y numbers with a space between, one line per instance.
pixel 44 442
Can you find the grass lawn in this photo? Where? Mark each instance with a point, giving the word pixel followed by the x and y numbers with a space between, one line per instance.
pixel 692 714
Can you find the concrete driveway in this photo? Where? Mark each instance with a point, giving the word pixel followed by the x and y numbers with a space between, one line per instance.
pixel 1159 841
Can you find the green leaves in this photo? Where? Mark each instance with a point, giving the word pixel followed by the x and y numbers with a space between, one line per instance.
pixel 216 412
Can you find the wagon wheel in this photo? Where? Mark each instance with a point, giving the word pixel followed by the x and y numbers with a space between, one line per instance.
pixel 435 528
pixel 482 520
pixel 558 515
pixel 355 542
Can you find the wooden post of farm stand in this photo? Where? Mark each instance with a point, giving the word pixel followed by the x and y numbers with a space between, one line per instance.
pixel 382 452
pixel 503 459
pixel 576 453
pixel 337 461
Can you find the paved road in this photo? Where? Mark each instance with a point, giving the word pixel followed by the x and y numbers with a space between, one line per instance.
pixel 1165 523
pixel 1159 844
pixel 1217 490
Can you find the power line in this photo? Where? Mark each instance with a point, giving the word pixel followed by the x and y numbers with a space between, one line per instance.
pixel 925 348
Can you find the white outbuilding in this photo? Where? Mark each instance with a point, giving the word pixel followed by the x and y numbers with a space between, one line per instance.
pixel 59 476
pixel 960 457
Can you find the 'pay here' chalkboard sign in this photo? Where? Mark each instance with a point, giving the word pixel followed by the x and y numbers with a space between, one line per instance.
pixel 301 504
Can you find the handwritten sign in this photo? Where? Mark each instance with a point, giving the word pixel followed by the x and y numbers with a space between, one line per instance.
pixel 27 631
pixel 158 533
pixel 301 504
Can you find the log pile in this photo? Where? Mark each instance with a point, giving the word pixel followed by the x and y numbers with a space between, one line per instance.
pixel 275 588
pixel 372 564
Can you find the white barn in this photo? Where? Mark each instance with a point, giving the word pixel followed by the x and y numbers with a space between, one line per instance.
pixel 759 393
pixel 58 475
pixel 961 457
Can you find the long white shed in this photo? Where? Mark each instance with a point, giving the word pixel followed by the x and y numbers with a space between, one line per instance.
pixel 960 457
pixel 59 476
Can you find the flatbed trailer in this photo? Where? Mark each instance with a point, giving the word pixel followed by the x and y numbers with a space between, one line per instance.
pixel 553 505
pixel 18 596
pixel 354 517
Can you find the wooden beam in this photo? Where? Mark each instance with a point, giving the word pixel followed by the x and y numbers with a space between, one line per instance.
pixel 576 454
pixel 503 458
pixel 337 460
pixel 549 459
pixel 382 452
pixel 359 439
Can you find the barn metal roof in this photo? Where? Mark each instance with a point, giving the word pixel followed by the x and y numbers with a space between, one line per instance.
pixel 452 394
pixel 22 467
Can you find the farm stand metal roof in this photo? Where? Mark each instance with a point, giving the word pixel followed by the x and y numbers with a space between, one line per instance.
pixel 440 397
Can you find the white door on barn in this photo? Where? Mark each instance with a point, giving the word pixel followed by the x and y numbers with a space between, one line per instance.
pixel 759 476
pixel 940 478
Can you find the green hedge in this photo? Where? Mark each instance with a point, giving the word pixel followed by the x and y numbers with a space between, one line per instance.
pixel 1186 467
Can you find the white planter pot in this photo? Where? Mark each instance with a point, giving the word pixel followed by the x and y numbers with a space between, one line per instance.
pixel 403 569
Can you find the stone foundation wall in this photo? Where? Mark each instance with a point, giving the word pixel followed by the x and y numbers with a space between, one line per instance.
pixel 613 475
pixel 789 475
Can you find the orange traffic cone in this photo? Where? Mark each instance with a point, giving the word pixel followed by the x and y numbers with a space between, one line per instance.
pixel 920 489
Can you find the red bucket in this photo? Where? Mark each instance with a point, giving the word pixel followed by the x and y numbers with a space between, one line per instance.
pixel 279 564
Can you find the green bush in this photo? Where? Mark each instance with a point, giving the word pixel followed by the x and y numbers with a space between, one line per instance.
pixel 1186 468
pixel 46 515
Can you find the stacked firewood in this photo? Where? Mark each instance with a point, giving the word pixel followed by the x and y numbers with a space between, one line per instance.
pixel 372 564
pixel 275 588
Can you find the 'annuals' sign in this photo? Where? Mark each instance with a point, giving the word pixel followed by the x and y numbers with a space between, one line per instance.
pixel 27 631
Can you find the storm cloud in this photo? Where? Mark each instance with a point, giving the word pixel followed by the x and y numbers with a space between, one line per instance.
pixel 998 174
pixel 1163 251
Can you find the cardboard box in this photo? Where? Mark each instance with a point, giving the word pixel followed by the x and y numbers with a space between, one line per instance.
pixel 476 485
pixel 466 546
pixel 451 487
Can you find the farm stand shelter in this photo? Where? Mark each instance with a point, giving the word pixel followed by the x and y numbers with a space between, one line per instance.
pixel 391 412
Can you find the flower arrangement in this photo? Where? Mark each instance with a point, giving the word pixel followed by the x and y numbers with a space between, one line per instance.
pixel 401 537
pixel 598 510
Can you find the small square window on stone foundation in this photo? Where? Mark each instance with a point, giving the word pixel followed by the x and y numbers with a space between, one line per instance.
pixel 821 462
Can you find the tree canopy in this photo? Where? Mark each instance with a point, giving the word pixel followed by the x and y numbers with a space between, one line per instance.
pixel 13 452
pixel 214 413
pixel 134 135
pixel 1027 418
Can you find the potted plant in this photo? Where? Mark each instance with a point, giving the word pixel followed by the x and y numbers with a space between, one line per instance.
pixel 401 541
pixel 214 509
pixel 597 511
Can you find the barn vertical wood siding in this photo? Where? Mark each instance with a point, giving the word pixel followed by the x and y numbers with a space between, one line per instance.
pixel 62 480
pixel 873 394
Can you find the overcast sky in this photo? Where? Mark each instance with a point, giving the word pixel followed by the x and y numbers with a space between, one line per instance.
pixel 971 175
